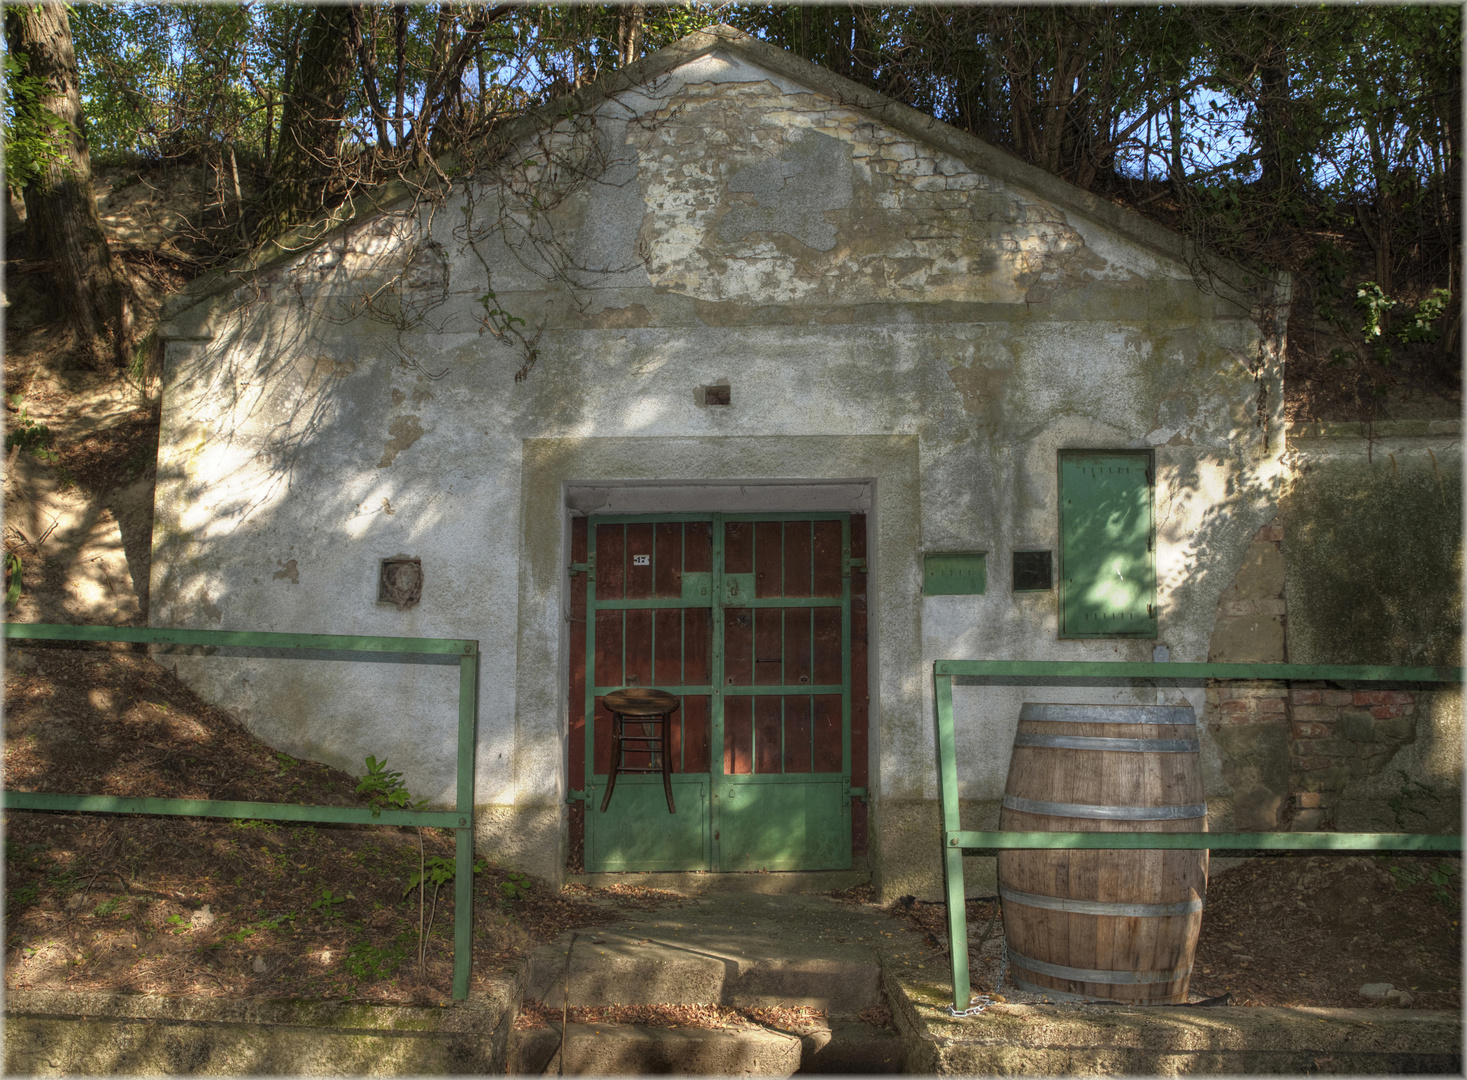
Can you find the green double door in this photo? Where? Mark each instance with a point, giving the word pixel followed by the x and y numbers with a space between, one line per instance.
pixel 747 620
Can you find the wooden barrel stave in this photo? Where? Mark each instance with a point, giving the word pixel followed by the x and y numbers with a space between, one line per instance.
pixel 1069 944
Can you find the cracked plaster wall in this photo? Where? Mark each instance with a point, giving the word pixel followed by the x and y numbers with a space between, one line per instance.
pixel 844 279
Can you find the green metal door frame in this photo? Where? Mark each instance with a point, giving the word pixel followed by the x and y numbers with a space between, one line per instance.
pixel 724 591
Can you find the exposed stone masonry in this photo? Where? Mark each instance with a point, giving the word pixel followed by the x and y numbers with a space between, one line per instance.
pixel 1330 736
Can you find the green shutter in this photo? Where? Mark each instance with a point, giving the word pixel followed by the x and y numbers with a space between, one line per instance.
pixel 1107 561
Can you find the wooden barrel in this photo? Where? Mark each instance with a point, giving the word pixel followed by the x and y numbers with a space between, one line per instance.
pixel 1104 924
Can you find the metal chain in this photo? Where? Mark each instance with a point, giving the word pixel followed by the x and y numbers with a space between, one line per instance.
pixel 978 1003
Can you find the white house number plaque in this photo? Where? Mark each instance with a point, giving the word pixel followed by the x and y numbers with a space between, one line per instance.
pixel 641 560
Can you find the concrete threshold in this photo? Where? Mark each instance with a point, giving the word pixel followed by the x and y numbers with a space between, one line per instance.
pixel 1119 1040
pixel 764 882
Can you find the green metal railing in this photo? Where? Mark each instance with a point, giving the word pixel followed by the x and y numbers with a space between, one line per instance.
pixel 334 646
pixel 956 840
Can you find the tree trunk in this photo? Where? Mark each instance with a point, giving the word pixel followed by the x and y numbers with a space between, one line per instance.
pixel 61 213
pixel 310 122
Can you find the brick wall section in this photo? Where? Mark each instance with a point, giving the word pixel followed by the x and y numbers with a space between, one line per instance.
pixel 1337 736
pixel 1333 735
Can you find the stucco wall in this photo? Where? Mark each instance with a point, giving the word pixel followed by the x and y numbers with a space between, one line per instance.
pixel 1373 543
pixel 888 307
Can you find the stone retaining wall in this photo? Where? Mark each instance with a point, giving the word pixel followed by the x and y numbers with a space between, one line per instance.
pixel 1363 565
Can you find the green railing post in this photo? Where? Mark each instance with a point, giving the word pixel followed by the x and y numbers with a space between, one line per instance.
pixel 460 819
pixel 463 875
pixel 955 841
pixel 952 858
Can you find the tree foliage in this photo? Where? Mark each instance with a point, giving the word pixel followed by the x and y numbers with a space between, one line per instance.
pixel 1267 133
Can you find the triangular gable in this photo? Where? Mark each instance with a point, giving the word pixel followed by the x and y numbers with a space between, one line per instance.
pixel 1022 231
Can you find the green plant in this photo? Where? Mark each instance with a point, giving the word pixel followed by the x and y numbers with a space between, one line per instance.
pixel 107 907
pixel 23 894
pixel 256 824
pixel 29 436
pixel 436 871
pixel 177 925
pixel 328 903
pixel 367 961
pixel 384 788
pixel 515 886
pixel 286 763
pixel 13 570
pixel 1440 878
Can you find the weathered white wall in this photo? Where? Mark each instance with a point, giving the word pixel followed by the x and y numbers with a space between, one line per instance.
pixel 887 311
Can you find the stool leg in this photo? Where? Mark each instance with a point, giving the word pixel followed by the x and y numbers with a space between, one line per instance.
pixel 667 763
pixel 615 760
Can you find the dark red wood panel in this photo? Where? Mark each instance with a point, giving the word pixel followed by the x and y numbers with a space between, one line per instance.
pixel 738 646
pixel 797 749
pixel 827 645
pixel 738 735
pixel 639 542
pixel 638 648
pixel 697 646
pixel 797 669
pixel 668 652
pixel 695 732
pixel 768 646
pixel 738 547
pixel 797 543
pixel 608 648
pixel 827 559
pixel 768 559
pixel 610 562
pixel 698 547
pixel 827 733
pixel 667 559
pixel 768 734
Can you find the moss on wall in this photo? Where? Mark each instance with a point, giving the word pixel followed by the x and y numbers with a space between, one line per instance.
pixel 1374 559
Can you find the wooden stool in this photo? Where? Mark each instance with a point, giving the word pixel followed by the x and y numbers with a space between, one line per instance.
pixel 651 709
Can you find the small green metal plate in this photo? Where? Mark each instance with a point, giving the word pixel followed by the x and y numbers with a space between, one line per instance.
pixel 697 587
pixel 770 826
pixel 737 588
pixel 637 832
pixel 955 574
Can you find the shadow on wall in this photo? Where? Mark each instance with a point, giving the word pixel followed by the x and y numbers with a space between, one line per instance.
pixel 1373 550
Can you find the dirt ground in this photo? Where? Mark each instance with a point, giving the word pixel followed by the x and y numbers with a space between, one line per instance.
pixel 1287 930
pixel 169 905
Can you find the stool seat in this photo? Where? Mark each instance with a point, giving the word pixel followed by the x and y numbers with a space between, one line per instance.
pixel 651 710
pixel 640 701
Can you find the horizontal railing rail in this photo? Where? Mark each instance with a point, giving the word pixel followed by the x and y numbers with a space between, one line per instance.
pixel 956 840
pixel 462 652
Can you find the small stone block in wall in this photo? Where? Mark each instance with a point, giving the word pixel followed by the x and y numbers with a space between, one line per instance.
pixel 1306 800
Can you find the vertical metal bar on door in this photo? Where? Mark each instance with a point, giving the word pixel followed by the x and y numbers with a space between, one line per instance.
pixel 715 705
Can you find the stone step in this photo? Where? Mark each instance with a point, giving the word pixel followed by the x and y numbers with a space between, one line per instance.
pixel 749 951
pixel 619 971
pixel 849 1048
